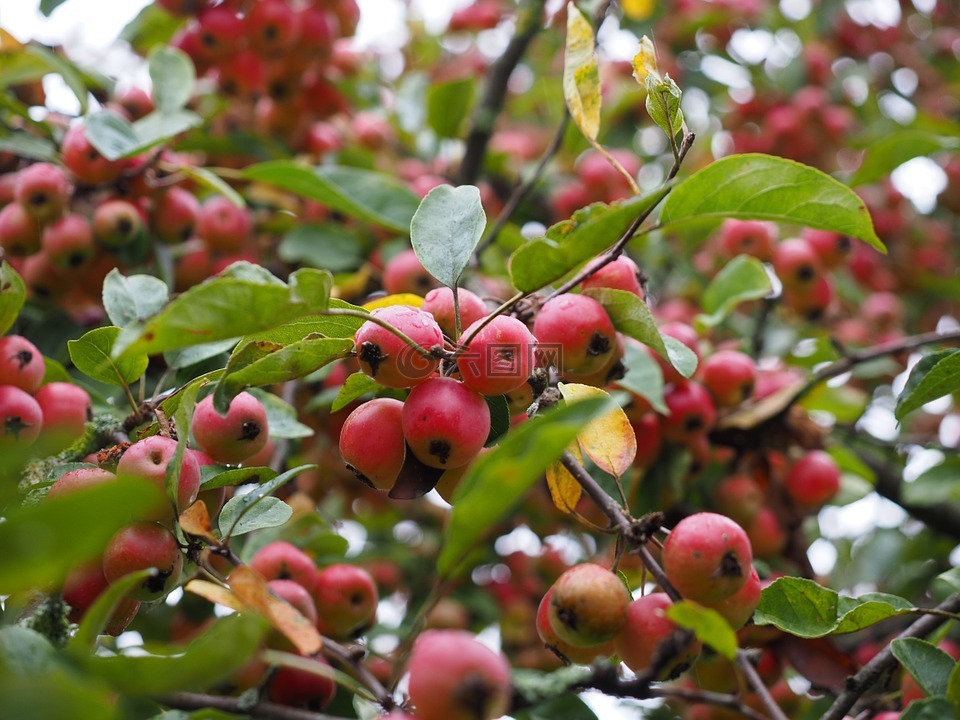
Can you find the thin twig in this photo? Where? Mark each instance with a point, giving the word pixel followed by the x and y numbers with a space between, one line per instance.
pixel 343 655
pixel 264 710
pixel 884 661
pixel 705 696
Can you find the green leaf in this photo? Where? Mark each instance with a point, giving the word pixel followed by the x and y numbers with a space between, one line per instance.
pixel 953 686
pixel 12 295
pixel 66 694
pixel 499 418
pixel 845 402
pixel 97 616
pixel 65 69
pixel 763 187
pixel 355 386
pixel 448 105
pixel 173 76
pixel 134 299
pixel 214 182
pixel 216 654
pixel 740 280
pixel 244 299
pixel 178 359
pixel 892 150
pixel 643 377
pixel 93 356
pixel 581 74
pixel 48 6
pixel 331 326
pixel 158 128
pixel 707 624
pixel 934 708
pixel 935 486
pixel 371 196
pixel 497 480
pixel 151 27
pixel 236 476
pixel 663 104
pixel 182 418
pixel 29 146
pixel 329 245
pixel 445 230
pixel 937 374
pixel 802 607
pixel 632 317
pixel 24 651
pixel 239 506
pixel 570 243
pixel 73 528
pixel 269 512
pixel 281 417
pixel 929 665
pixel 279 364
pixel 115 138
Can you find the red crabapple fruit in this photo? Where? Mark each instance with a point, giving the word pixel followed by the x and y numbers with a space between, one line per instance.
pixel 79 479
pixel 730 376
pixel 707 557
pixel 455 677
pixel 404 273
pixel 19 231
pixel 148 459
pixel 445 423
pixel 116 224
pixel 297 595
pixel 499 357
pixel 588 605
pixel 619 274
pixel 21 418
pixel 439 303
pixel 298 688
pixel 388 359
pixel 813 480
pixel 738 608
pixel 223 226
pixel 21 363
pixel 43 190
pixel 282 561
pixel 372 443
pixel 692 413
pixel 232 438
pixel 68 241
pixel 346 599
pixel 85 161
pixel 747 237
pixel 138 547
pixel 581 654
pixel 581 329
pixel 646 628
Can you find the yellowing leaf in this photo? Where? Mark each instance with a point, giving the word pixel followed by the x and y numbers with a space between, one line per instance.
pixel 608 440
pixel 399 299
pixel 195 520
pixel 252 590
pixel 581 78
pixel 564 489
pixel 645 61
pixel 216 594
pixel 637 9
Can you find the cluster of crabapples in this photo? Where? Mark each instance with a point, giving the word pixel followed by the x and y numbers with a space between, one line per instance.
pixel 48 415
pixel 237 437
pixel 589 613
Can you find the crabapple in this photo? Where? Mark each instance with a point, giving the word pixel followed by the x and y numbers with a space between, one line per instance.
pixel 223 226
pixel 796 263
pixel 810 302
pixel 138 547
pixel 346 599
pixel 297 595
pixel 388 359
pixel 404 273
pixel 372 444
pixel 619 274
pixel 737 608
pixel 730 377
pixel 498 357
pixel 813 479
pixel 474 683
pixel 218 30
pixel 19 231
pixel 739 497
pixel 299 688
pixel 43 190
pixel 68 241
pixel 85 161
pixel 692 412
pixel 832 248
pixel 767 535
pixel 439 303
pixel 21 363
pixel 22 418
pixel 79 479
pixel 707 557
pixel 282 561
pixel 445 423
pixel 175 215
pixel 149 459
pixel 645 631
pixel 81 588
pixel 581 654
pixel 588 605
pixel 271 26
pixel 747 237
pixel 116 224
pixel 232 438
pixel 581 328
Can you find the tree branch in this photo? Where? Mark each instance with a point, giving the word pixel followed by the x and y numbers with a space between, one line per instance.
pixel 264 710
pixel 884 661
pixel 498 76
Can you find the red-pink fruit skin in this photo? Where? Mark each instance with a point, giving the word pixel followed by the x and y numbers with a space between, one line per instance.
pixel 694 554
pixel 223 438
pixel 346 598
pixel 646 627
pixel 445 410
pixel 140 546
pixel 439 303
pixel 399 366
pixel 371 441
pixel 576 323
pixel 280 560
pixel 445 662
pixel 148 459
pixel 499 357
pixel 21 418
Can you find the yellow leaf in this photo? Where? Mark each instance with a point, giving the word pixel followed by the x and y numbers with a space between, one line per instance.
pixel 252 590
pixel 564 489
pixel 581 78
pixel 195 520
pixel 645 61
pixel 217 594
pixel 608 440
pixel 399 299
pixel 8 43
pixel 637 9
